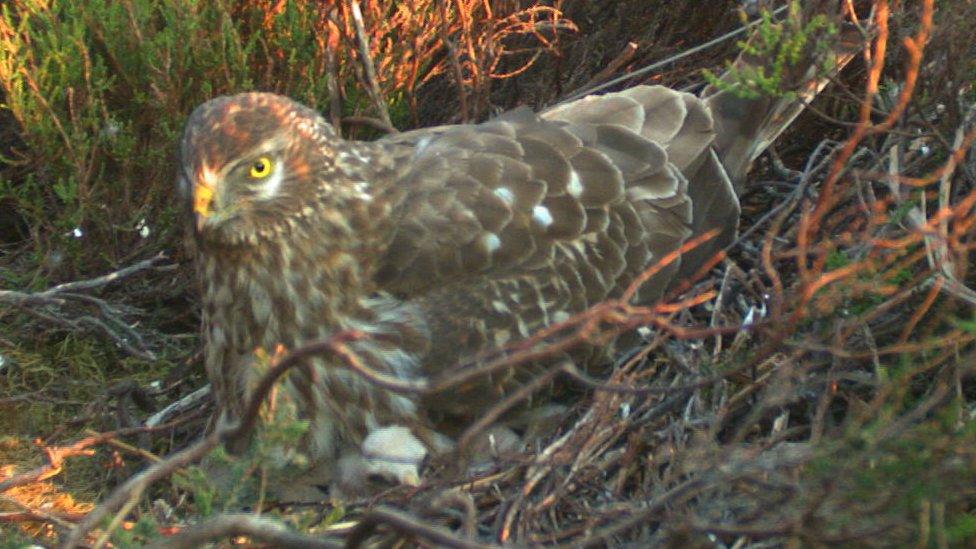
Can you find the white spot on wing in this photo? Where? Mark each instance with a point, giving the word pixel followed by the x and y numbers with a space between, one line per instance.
pixel 542 216
pixel 505 194
pixel 491 241
pixel 502 337
pixel 422 145
pixel 362 191
pixel 575 186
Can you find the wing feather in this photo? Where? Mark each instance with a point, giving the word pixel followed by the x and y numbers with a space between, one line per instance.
pixel 515 223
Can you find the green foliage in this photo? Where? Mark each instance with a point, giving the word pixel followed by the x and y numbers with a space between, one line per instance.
pixel 98 92
pixel 961 528
pixel 836 259
pixel 143 530
pixel 781 46
pixel 967 325
pixel 226 482
pixel 196 482
pixel 10 538
pixel 882 474
pixel 271 456
pixel 856 301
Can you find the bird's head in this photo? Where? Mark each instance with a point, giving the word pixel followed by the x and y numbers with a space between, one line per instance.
pixel 250 163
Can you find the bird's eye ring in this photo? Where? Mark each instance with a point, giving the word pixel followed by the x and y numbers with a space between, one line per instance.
pixel 261 168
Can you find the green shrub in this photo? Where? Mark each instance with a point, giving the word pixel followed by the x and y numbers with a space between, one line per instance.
pixel 782 42
pixel 99 91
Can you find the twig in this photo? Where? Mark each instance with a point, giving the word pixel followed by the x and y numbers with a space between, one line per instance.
pixel 624 57
pixel 469 510
pixel 455 59
pixel 130 491
pixel 28 514
pixel 491 416
pixel 605 535
pixel 405 524
pixel 126 495
pixel 103 280
pixel 191 400
pixel 118 444
pixel 57 454
pixel 260 529
pixel 55 458
pixel 674 58
pixel 362 40
pixel 61 295
pixel 332 72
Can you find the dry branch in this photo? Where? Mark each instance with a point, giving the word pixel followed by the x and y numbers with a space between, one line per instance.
pixel 57 306
pixel 257 529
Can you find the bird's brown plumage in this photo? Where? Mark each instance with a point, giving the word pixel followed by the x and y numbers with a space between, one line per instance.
pixel 438 243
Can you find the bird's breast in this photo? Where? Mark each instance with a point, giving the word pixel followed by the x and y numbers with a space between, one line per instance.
pixel 253 312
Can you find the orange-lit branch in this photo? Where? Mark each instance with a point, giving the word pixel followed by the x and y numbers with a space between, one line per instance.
pixel 664 262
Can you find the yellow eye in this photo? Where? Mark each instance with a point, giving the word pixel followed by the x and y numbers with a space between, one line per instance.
pixel 261 168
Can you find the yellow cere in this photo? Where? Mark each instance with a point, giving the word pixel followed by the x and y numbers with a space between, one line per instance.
pixel 202 196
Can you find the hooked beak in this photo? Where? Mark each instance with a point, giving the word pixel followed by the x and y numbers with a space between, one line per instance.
pixel 204 185
pixel 202 202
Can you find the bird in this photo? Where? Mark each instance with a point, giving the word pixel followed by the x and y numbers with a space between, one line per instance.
pixel 443 243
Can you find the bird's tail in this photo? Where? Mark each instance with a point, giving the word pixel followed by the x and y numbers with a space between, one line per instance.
pixel 807 55
pixel 747 121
